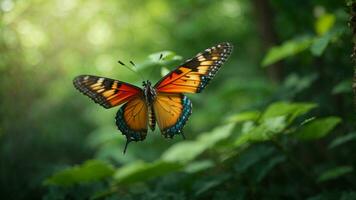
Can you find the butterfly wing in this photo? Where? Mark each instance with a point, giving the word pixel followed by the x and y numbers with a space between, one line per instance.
pixel 195 74
pixel 104 91
pixel 132 120
pixel 172 111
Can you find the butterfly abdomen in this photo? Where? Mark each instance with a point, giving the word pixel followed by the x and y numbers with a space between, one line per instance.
pixel 151 118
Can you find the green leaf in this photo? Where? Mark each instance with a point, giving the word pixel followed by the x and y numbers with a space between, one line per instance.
pixel 166 56
pixel 275 124
pixel 188 150
pixel 252 156
pixel 291 110
pixel 287 49
pixel 207 185
pixel 91 170
pixel 335 173
pixel 244 116
pixel 342 140
pixel 307 121
pixel 164 71
pixel 247 127
pixel 263 132
pixel 320 43
pixel 273 121
pixel 295 84
pixel 350 2
pixel 184 151
pixel 216 135
pixel 153 60
pixel 198 166
pixel 317 128
pixel 142 171
pixel 344 86
pixel 271 163
pixel 324 23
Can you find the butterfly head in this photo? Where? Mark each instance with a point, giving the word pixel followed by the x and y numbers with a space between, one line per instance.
pixel 149 91
pixel 146 83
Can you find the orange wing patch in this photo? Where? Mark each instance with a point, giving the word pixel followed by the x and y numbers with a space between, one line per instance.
pixel 104 91
pixel 171 111
pixel 132 120
pixel 195 74
pixel 135 115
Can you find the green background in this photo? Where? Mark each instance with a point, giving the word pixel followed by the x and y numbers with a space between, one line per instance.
pixel 277 122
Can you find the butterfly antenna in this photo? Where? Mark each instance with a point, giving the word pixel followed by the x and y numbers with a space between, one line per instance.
pixel 131 69
pixel 127 143
pixel 138 71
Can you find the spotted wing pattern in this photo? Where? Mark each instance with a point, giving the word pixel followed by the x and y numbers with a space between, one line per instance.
pixel 172 112
pixel 195 74
pixel 104 91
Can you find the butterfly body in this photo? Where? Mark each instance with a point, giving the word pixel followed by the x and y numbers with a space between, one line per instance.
pixel 149 92
pixel 164 103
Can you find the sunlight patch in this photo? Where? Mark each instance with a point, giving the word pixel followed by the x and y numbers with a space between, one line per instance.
pixel 99 33
pixel 104 63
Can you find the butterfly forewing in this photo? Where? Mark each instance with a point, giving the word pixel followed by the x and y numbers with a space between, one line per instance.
pixel 195 74
pixel 104 91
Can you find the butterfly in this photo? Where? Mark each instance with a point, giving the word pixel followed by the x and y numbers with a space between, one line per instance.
pixel 164 103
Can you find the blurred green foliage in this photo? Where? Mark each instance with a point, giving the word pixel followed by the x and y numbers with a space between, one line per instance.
pixel 251 135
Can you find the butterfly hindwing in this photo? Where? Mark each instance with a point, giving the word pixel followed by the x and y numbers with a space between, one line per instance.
pixel 104 91
pixel 132 119
pixel 172 111
pixel 195 74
